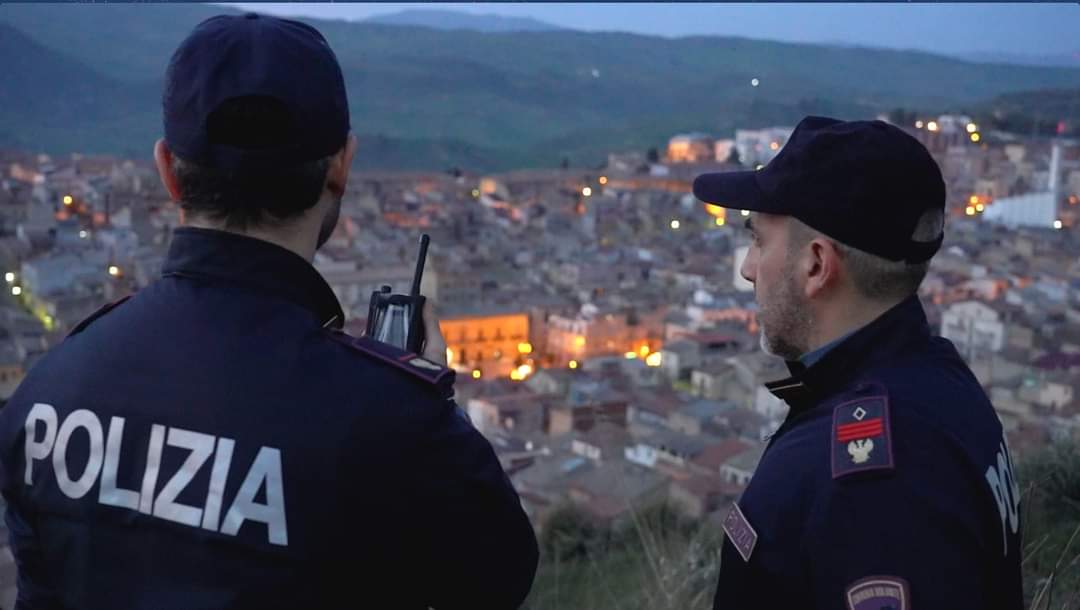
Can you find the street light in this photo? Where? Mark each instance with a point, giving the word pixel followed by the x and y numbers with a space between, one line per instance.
pixel 919 124
pixel 68 200
pixel 932 126
pixel 114 270
pixel 586 191
pixel 675 224
pixel 602 180
pixel 972 128
pixel 754 82
pixel 1057 224
pixel 9 276
pixel 16 290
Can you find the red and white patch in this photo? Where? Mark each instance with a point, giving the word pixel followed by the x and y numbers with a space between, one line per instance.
pixel 861 438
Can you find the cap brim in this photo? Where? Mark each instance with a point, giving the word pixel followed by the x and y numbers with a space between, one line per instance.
pixel 736 190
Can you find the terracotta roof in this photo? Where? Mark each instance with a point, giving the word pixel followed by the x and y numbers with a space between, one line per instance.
pixel 717 455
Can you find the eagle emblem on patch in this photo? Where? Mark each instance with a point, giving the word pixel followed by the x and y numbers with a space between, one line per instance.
pixel 878 593
pixel 861 437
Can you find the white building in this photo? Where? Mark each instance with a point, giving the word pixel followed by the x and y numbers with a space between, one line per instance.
pixel 1032 209
pixel 759 146
pixel 353 286
pixel 722 149
pixel 974 327
pixel 766 403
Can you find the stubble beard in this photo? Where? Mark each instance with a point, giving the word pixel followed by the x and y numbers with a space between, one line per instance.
pixel 785 320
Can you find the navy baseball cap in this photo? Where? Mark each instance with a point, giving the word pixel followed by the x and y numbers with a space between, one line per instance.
pixel 251 55
pixel 862 183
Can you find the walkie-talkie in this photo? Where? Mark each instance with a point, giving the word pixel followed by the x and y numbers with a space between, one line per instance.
pixel 397 318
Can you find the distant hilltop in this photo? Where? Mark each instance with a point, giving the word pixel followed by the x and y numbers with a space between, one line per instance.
pixel 455 20
pixel 88 79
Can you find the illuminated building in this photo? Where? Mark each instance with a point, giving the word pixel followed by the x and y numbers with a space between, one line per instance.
pixel 690 148
pixel 593 333
pixel 492 341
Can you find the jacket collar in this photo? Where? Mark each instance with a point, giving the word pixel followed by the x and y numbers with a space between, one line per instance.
pixel 884 338
pixel 252 263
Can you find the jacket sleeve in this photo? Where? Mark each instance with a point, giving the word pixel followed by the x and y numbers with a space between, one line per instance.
pixel 22 539
pixel 477 542
pixel 897 541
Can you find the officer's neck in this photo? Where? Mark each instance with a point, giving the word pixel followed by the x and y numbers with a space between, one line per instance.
pixel 843 317
pixel 298 236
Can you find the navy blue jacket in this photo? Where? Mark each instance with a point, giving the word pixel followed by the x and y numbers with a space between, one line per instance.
pixel 217 442
pixel 889 485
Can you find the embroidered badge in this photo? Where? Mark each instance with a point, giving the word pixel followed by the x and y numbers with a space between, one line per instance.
pixel 861 436
pixel 740 532
pixel 878 593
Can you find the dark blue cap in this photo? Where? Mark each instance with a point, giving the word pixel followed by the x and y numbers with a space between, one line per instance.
pixel 228 57
pixel 862 183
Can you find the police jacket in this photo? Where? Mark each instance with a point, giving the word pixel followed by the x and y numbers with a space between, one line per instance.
pixel 888 485
pixel 217 442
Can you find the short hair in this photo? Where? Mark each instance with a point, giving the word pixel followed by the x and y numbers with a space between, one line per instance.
pixel 247 198
pixel 874 277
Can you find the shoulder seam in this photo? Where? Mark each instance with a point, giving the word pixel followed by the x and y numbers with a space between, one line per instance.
pixel 408 362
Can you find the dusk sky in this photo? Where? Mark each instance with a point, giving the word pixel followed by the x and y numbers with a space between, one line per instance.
pixel 1028 29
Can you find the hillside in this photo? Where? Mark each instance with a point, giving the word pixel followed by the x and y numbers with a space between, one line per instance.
pixel 422 97
pixel 453 20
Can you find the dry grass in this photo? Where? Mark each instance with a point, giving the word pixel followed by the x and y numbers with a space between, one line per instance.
pixel 658 561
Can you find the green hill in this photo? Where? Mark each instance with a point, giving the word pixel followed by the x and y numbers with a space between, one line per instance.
pixel 424 98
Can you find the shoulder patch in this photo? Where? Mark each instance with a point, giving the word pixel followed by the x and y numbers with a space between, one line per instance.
pixel 861 436
pixel 739 532
pixel 104 309
pixel 422 368
pixel 876 592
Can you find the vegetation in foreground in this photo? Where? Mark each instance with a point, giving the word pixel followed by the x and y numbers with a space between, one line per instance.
pixel 658 560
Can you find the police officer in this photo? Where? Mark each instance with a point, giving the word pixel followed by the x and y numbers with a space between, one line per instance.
pixel 889 483
pixel 216 441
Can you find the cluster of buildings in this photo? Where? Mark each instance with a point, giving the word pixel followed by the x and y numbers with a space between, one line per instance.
pixel 603 337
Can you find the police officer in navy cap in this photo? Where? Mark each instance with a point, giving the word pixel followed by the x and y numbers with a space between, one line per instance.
pixel 889 484
pixel 216 440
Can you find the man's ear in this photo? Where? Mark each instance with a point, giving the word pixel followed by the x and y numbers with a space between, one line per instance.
pixel 337 175
pixel 822 266
pixel 163 158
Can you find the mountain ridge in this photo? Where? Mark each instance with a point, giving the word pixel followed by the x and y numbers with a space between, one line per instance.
pixel 458 20
pixel 499 100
